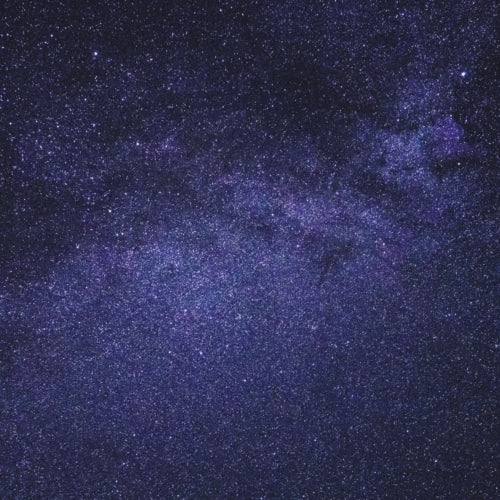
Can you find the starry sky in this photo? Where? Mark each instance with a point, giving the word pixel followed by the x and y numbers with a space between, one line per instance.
pixel 248 249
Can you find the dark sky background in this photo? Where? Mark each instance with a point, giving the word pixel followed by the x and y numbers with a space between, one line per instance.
pixel 248 249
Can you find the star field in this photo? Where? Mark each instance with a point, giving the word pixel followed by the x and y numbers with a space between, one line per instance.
pixel 248 250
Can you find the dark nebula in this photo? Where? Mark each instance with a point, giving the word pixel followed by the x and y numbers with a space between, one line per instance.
pixel 249 249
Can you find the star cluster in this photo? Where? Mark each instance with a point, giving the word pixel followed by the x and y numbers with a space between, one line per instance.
pixel 248 249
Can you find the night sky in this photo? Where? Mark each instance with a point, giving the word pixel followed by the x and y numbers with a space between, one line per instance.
pixel 249 249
